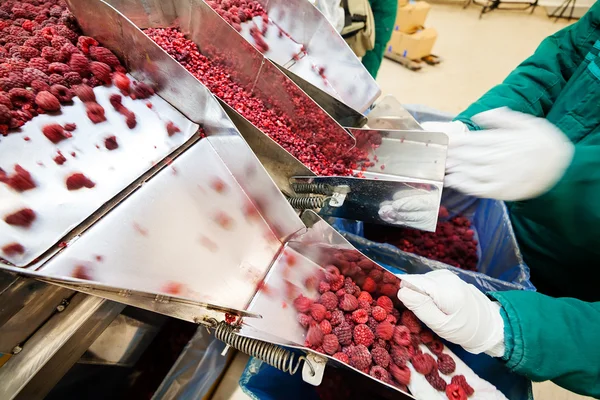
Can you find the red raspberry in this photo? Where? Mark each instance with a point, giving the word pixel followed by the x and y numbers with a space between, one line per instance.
pixel 65 32
pixel 72 78
pixel 364 305
pixel 360 316
pixel 329 300
pixel 399 355
pixel 348 303
pixel 317 311
pixel 381 356
pixel 31 74
pixel 365 296
pixel 39 63
pixel 20 97
pixel 111 143
pixel 13 249
pixel 314 337
pixel 379 313
pixel 23 218
pixel 446 364
pixel 331 273
pixel 436 381
pixel 78 181
pixel 340 293
pixel 337 317
pixel 302 304
pixel 387 289
pixel 436 347
pixel 426 336
pixel 84 43
pixel 172 128
pixel 401 373
pixel 337 284
pixel 351 288
pixel 70 127
pixel 28 53
pixel 401 335
pixel 4 114
pixel 462 382
pixel 363 335
pixel 385 303
pixel 330 344
pixel 47 101
pixel 20 181
pixel 59 158
pixel 385 330
pixel 326 327
pixel 342 357
pixel 95 112
pixel 86 94
pixel 360 357
pixel 380 373
pixel 122 82
pixel 58 68
pixel 324 287
pixel 409 319
pixel 141 90
pixel 104 55
pixel 304 320
pixel 348 349
pixel 455 392
pixel 423 363
pixel 369 285
pixel 62 93
pixel 80 64
pixel 50 54
pixel 101 71
pixel 343 333
pixel 55 133
pixel 372 324
pixel 56 79
pixel 39 86
pixel 388 277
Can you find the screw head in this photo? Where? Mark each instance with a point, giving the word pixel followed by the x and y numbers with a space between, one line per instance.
pixel 17 349
pixel 60 308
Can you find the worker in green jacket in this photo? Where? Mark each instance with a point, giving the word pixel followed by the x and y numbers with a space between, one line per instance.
pixel 384 14
pixel 541 154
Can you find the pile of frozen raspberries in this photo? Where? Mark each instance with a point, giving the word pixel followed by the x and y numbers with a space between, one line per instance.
pixel 361 322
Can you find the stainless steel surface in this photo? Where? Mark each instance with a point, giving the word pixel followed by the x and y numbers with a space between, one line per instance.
pixel 54 348
pixel 388 113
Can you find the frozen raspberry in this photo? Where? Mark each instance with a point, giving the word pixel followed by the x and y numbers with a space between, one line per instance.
pixel 72 78
pixel 116 101
pixel 436 347
pixel 372 324
pixel 385 330
pixel 84 43
pixel 365 296
pixel 388 277
pixel 326 327
pixel 50 54
pixel 379 313
pixel 426 336
pixel 389 290
pixel 314 336
pixel 13 249
pixel 31 74
pixel 399 355
pixel 4 114
pixel 59 158
pixel 317 311
pixel 78 181
pixel 172 128
pixel 330 344
pixel 337 317
pixel 101 71
pixel 39 63
pixel 363 335
pixel 62 93
pixel 86 94
pixel 385 303
pixel 360 357
pixel 111 143
pixel 380 373
pixel 409 319
pixel 351 288
pixel 80 64
pixel 56 79
pixel 302 304
pixel 70 127
pixel 324 287
pixel 337 284
pixel 364 305
pixel 28 52
pixel 343 333
pixel 436 381
pixel 340 293
pixel 23 218
pixel 455 392
pixel 348 303
pixel 55 133
pixel 360 316
pixel 381 356
pixel 401 373
pixel 47 101
pixel 329 300
pixel 423 363
pixel 122 82
pixel 58 68
pixel 304 320
pixel 401 335
pixel 461 381
pixel 369 285
pixel 331 272
pixel 7 84
pixel 342 357
pixel 20 97
pixel 446 364
pixel 95 112
pixel 39 86
pixel 104 55
pixel 141 90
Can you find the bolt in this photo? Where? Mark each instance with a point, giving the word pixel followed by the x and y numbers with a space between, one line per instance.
pixel 17 349
pixel 60 308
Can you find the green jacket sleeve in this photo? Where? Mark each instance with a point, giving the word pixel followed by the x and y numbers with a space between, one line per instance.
pixel 384 14
pixel 534 85
pixel 553 339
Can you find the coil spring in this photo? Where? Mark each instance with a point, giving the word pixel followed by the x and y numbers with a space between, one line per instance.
pixel 306 202
pixel 275 356
pixel 316 188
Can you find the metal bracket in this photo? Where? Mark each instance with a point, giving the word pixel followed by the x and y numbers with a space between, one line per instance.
pixel 314 376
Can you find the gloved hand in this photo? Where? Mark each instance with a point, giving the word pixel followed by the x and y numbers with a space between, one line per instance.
pixel 415 207
pixel 455 310
pixel 516 157
pixel 449 128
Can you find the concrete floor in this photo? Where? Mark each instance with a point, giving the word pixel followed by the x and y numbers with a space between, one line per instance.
pixel 477 54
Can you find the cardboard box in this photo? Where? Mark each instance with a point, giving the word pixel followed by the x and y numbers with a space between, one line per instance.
pixel 413 46
pixel 411 16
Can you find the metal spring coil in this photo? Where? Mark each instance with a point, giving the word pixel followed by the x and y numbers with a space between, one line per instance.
pixel 316 188
pixel 275 356
pixel 307 202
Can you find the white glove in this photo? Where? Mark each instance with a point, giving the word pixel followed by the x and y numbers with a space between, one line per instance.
pixel 449 128
pixel 416 207
pixel 455 310
pixel 517 157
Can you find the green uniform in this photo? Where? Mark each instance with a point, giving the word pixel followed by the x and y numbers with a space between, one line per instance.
pixel 384 14
pixel 559 232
